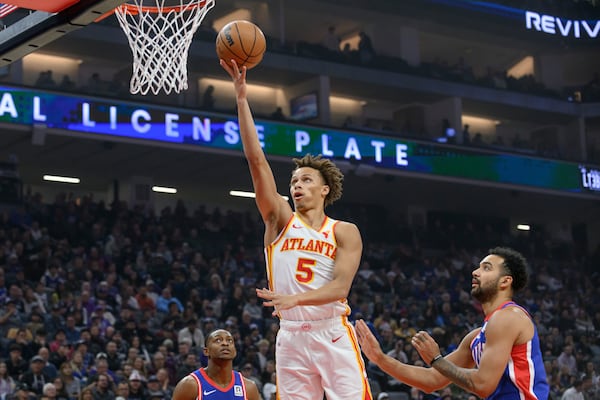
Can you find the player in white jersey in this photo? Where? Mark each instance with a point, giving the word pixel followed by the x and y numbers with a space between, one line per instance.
pixel 311 263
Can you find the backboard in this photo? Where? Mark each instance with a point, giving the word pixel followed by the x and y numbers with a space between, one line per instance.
pixel 34 24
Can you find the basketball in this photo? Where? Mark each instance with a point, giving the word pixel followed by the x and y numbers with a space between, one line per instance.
pixel 243 42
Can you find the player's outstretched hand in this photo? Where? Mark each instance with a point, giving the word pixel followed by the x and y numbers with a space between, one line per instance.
pixel 426 346
pixel 237 76
pixel 368 342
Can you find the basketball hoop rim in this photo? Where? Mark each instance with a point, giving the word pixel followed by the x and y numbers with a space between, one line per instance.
pixel 134 9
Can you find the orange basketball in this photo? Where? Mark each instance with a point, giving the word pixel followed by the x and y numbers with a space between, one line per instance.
pixel 242 41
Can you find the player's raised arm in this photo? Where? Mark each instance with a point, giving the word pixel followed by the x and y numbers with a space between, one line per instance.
pixel 274 210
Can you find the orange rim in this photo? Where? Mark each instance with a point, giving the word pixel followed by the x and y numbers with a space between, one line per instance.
pixel 133 9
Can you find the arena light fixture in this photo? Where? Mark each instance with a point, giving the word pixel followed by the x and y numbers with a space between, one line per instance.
pixel 250 195
pixel 163 189
pixel 61 179
pixel 523 227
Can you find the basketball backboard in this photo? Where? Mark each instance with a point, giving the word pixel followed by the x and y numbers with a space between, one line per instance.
pixel 34 24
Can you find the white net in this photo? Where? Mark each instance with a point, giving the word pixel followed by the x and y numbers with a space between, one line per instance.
pixel 160 37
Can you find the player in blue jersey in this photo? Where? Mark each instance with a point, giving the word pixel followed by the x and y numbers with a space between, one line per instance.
pixel 218 381
pixel 500 360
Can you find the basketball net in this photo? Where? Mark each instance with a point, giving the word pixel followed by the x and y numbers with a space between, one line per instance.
pixel 160 37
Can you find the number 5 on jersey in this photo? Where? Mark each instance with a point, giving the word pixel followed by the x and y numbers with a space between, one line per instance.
pixel 304 270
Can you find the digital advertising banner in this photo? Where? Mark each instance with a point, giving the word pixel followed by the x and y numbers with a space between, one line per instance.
pixel 147 122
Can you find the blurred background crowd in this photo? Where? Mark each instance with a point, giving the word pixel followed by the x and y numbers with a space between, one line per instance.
pixel 105 301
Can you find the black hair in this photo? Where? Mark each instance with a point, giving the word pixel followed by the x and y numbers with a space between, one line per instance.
pixel 515 265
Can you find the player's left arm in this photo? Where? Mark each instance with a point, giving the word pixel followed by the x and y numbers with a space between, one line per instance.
pixel 347 261
pixel 506 328
pixel 251 390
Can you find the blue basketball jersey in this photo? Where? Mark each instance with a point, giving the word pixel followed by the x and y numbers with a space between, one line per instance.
pixel 209 390
pixel 525 376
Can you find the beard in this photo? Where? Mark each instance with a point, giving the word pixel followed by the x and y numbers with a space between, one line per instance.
pixel 485 293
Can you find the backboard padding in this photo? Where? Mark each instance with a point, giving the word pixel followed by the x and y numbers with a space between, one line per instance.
pixel 51 6
pixel 40 27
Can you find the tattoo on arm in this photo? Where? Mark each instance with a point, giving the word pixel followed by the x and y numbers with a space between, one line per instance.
pixel 459 376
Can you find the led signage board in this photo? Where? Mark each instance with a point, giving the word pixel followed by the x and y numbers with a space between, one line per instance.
pixel 146 122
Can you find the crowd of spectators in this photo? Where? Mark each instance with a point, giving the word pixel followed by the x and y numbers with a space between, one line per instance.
pixel 104 301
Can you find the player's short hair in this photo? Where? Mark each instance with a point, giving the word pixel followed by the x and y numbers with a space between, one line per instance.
pixel 210 337
pixel 331 174
pixel 515 265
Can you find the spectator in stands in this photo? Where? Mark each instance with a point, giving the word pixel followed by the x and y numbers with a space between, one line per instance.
pixel 331 41
pixel 208 98
pixel 122 389
pixel 387 339
pixel 349 54
pixel 466 135
pixel 101 388
pixel 405 330
pixel 164 382
pixel 95 83
pixel 32 302
pixel 278 114
pixel 7 383
pixel 67 84
pixel 567 361
pixel 55 321
pixel 49 391
pixel 50 368
pixel 192 333
pixel 263 353
pixel 113 357
pixel 61 392
pixel 23 337
pixel 10 318
pixel 72 334
pixel 253 309
pixel 188 365
pixel 144 300
pixel 249 372
pixel 137 390
pixel 78 369
pixel 366 52
pixel 100 368
pixel 269 390
pixel 165 299
pixel 72 384
pixel 88 394
pixel 578 390
pixel 56 359
pixel 154 385
pixel 34 377
pixel 45 80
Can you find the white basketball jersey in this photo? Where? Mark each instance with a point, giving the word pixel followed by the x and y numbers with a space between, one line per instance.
pixel 302 259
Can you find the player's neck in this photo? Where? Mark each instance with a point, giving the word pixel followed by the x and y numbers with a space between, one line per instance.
pixel 492 305
pixel 313 217
pixel 220 374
